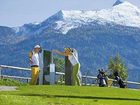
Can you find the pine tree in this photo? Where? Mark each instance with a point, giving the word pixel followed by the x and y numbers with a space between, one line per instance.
pixel 117 65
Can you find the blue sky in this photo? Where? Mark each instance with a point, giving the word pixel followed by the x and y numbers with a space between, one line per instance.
pixel 18 12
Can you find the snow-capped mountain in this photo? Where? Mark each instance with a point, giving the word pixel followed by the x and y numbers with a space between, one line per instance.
pixel 118 14
pixel 122 13
pixel 96 35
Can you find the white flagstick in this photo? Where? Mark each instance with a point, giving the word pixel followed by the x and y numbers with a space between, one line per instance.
pixel 0 73
pixel 41 68
pixel 52 74
pixel 52 71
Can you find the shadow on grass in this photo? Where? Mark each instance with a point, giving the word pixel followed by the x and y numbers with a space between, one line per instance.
pixel 79 97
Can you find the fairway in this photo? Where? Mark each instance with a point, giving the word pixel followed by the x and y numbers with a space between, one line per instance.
pixel 68 95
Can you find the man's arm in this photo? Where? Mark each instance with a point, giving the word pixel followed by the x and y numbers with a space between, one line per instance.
pixel 61 53
pixel 30 57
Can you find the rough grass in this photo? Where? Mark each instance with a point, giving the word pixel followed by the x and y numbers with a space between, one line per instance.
pixel 68 95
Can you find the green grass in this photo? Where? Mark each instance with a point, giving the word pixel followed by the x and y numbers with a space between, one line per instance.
pixel 68 95
pixel 11 82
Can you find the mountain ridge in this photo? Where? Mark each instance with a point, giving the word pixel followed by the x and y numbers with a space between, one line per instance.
pixel 124 13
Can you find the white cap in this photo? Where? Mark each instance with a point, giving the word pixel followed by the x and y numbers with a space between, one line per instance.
pixel 37 46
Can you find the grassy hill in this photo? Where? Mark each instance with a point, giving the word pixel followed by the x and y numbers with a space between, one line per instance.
pixel 68 95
